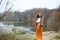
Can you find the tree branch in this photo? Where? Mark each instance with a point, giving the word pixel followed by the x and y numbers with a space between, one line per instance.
pixel 0 2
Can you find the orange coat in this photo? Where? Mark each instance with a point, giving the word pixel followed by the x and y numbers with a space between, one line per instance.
pixel 38 31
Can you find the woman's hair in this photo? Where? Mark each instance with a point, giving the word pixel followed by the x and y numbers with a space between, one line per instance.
pixel 39 16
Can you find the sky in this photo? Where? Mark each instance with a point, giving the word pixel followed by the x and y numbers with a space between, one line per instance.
pixel 22 5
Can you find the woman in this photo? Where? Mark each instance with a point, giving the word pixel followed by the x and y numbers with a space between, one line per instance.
pixel 39 25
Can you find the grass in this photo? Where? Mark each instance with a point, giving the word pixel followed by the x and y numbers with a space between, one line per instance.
pixel 57 36
pixel 19 35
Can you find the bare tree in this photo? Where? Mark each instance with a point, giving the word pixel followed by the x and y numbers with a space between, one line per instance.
pixel 5 9
pixel 0 2
pixel 53 23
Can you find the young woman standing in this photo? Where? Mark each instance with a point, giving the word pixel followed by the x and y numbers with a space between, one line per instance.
pixel 39 26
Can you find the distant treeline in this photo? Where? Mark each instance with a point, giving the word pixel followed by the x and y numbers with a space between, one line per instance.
pixel 28 18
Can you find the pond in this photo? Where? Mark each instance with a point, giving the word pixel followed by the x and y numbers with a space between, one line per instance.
pixel 6 29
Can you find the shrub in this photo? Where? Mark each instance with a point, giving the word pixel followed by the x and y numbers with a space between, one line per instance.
pixel 57 36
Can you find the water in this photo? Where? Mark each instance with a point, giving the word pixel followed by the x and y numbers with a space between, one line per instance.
pixel 7 29
pixel 22 28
